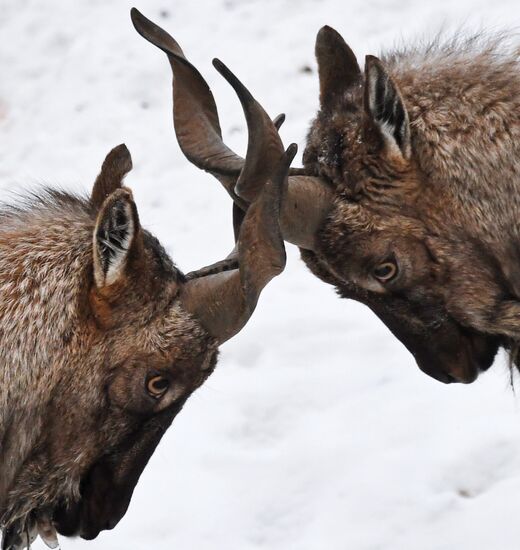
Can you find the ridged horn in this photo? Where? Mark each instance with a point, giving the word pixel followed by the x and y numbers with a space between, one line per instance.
pixel 224 302
pixel 195 115
pixel 307 198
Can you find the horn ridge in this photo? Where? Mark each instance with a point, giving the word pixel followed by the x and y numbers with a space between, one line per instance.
pixel 224 302
pixel 195 115
pixel 264 148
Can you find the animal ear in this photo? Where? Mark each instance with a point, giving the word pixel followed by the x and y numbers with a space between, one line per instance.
pixel 338 68
pixel 386 110
pixel 115 167
pixel 115 238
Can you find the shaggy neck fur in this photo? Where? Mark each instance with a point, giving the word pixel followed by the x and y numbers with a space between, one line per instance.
pixel 44 253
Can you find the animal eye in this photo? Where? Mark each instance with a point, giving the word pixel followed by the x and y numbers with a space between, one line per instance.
pixel 157 386
pixel 385 272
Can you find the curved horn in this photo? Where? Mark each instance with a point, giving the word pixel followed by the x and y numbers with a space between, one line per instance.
pixel 224 302
pixel 195 115
pixel 264 147
pixel 197 127
pixel 307 202
pixel 307 199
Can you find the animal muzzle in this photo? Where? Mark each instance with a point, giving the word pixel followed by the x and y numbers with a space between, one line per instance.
pixel 442 347
pixel 102 506
pixel 460 358
pixel 107 488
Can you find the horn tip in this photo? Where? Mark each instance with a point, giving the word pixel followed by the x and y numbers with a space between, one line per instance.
pixel 279 120
pixel 141 23
pixel 224 70
pixel 219 65
pixel 136 16
pixel 243 93
pixel 291 151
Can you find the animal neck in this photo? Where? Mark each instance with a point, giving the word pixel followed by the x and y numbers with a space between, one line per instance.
pixel 43 253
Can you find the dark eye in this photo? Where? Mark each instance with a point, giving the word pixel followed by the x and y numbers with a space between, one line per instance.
pixel 157 386
pixel 385 272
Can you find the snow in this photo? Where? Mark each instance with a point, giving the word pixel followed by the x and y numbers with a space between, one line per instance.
pixel 317 430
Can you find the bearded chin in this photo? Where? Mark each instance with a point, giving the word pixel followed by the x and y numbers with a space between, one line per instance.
pixel 30 507
pixel 22 533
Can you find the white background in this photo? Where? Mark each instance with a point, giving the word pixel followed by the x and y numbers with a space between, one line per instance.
pixel 317 430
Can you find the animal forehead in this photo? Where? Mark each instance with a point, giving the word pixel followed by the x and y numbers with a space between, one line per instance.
pixel 336 137
pixel 175 334
pixel 178 360
pixel 364 220
pixel 169 335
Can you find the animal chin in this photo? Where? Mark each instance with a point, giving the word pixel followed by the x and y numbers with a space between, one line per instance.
pixel 77 520
pixel 475 353
pixel 91 515
pixel 107 487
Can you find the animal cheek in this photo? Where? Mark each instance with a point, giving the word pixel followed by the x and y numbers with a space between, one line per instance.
pixel 371 285
pixel 420 295
pixel 471 308
pixel 127 391
pixel 175 393
pixel 118 392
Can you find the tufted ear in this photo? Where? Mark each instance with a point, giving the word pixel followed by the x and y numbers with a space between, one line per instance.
pixel 386 111
pixel 115 167
pixel 115 238
pixel 337 66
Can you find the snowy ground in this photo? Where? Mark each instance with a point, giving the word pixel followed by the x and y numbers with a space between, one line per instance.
pixel 317 431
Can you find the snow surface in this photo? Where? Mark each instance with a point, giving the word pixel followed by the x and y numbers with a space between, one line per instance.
pixel 317 430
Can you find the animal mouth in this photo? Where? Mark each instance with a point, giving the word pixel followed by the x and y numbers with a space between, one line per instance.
pixel 98 504
pixel 99 509
pixel 473 354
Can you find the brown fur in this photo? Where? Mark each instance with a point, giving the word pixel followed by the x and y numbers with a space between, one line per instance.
pixel 448 212
pixel 76 422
